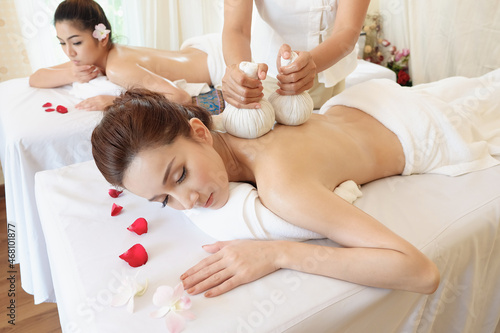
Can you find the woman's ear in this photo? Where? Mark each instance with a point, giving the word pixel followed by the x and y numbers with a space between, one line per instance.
pixel 104 42
pixel 199 131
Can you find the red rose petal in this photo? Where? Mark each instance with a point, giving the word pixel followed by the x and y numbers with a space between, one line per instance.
pixel 49 110
pixel 116 209
pixel 114 193
pixel 140 226
pixel 135 256
pixel 46 105
pixel 61 109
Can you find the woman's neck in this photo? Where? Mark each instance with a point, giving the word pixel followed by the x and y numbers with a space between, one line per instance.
pixel 237 163
pixel 103 60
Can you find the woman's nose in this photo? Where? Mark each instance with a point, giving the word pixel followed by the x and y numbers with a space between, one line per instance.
pixel 189 199
pixel 70 51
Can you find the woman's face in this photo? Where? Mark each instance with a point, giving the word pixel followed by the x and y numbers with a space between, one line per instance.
pixel 79 45
pixel 186 174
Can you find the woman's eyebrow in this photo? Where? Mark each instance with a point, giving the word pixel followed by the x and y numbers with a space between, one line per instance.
pixel 73 36
pixel 165 177
pixel 168 171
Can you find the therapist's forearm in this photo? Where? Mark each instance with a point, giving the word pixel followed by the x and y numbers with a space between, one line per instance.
pixel 334 49
pixel 236 47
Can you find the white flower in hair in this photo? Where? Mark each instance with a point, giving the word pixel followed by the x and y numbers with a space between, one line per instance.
pixel 100 32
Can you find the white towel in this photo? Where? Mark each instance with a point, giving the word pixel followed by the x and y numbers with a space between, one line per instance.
pixel 245 217
pixel 448 127
pixel 211 44
pixel 98 86
pixel 193 89
pixel 102 86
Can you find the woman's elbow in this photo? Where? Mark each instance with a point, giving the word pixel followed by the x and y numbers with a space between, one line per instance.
pixel 428 278
pixel 32 81
pixel 180 97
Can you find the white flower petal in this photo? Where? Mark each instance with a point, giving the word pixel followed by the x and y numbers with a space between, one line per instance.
pixel 141 289
pixel 178 292
pixel 130 305
pixel 120 299
pixel 160 312
pixel 163 296
pixel 175 322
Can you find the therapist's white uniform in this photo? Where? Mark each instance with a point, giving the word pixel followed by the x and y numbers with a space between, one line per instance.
pixel 302 24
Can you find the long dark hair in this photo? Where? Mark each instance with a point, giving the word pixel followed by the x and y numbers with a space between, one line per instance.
pixel 85 14
pixel 139 119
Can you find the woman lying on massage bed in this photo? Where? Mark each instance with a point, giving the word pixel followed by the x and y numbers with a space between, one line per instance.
pixel 167 153
pixel 85 36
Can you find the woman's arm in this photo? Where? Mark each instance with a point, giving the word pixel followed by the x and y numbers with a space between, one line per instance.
pixel 132 75
pixel 372 254
pixel 62 74
pixel 238 89
pixel 296 78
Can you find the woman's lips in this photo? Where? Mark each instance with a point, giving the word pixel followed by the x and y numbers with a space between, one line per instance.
pixel 209 201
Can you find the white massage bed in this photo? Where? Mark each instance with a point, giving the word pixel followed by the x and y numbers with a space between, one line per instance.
pixel 453 220
pixel 33 140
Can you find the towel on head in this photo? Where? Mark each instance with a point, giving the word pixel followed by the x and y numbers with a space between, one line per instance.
pixel 245 217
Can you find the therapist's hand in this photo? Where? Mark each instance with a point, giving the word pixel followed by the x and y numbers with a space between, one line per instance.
pixel 97 103
pixel 298 76
pixel 232 264
pixel 241 91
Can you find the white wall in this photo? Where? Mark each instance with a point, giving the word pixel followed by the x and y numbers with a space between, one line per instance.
pixel 373 8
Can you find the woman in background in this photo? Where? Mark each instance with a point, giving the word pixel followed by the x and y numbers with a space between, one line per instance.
pixel 85 35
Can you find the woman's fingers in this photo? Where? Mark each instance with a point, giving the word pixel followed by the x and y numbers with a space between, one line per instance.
pixel 234 263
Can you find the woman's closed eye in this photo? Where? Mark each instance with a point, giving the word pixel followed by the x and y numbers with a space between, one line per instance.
pixel 178 181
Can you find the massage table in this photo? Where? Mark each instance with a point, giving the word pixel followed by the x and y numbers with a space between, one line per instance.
pixel 33 140
pixel 453 220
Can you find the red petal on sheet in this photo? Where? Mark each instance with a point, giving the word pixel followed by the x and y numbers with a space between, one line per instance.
pixel 61 109
pixel 46 105
pixel 114 193
pixel 135 256
pixel 49 110
pixel 140 226
pixel 116 209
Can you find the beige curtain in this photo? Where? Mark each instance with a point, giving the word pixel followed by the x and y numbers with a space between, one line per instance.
pixel 446 37
pixel 167 23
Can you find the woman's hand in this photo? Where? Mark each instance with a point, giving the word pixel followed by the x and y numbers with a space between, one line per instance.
pixel 84 73
pixel 241 91
pixel 232 264
pixel 97 103
pixel 298 76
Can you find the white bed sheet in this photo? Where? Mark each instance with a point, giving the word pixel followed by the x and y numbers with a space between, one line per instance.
pixel 455 221
pixel 33 140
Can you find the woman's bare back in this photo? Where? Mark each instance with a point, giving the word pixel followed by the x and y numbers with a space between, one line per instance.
pixel 342 144
pixel 189 64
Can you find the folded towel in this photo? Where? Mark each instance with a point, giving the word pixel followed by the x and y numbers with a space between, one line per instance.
pixel 245 217
pixel 102 86
pixel 98 86
pixel 193 89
